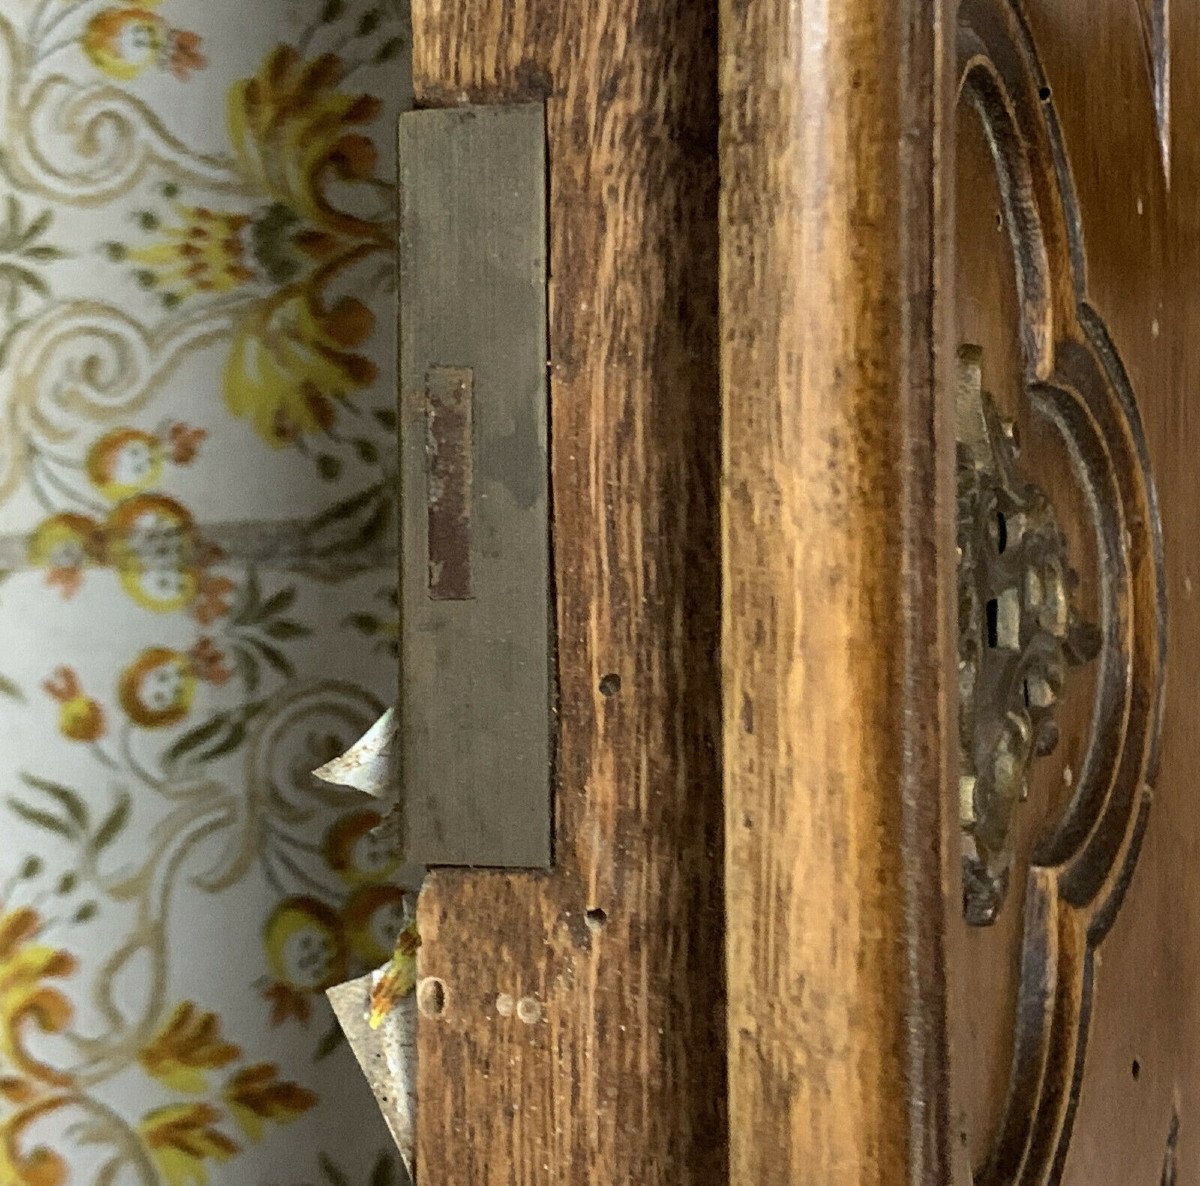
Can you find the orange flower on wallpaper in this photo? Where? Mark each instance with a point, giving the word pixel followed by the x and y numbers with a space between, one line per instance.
pixel 182 1137
pixel 209 662
pixel 124 462
pixel 157 688
pixel 293 360
pixel 298 347
pixel 38 1167
pixel 127 41
pixel 185 441
pixel 149 538
pixel 297 356
pixel 213 597
pixel 152 544
pixel 64 545
pixel 127 461
pixel 26 997
pixel 257 1094
pixel 80 718
pixel 186 1048
pixel 356 853
pixel 373 919
pixel 305 953
pixel 200 251
pixel 294 131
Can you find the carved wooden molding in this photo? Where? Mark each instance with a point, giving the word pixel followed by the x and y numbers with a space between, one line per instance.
pixel 838 551
pixel 1075 380
pixel 1156 33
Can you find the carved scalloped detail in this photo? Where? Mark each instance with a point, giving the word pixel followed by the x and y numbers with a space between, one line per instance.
pixel 1074 378
pixel 1156 34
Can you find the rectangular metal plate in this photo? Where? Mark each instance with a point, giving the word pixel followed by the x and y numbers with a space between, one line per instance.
pixel 475 690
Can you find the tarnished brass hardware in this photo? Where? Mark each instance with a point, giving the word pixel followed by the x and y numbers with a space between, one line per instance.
pixel 1018 634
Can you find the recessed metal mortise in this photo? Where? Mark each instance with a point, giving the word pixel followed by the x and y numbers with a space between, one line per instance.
pixel 1018 634
pixel 474 710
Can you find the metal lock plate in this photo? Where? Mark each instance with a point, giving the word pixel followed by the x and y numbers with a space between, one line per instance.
pixel 475 666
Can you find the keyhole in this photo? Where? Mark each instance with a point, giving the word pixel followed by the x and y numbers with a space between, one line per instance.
pixel 1001 532
pixel 993 623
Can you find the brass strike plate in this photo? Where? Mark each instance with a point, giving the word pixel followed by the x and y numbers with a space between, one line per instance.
pixel 475 685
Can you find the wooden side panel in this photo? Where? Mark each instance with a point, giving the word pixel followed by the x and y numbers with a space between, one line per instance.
pixel 579 1033
pixel 1125 84
pixel 839 570
pixel 1108 104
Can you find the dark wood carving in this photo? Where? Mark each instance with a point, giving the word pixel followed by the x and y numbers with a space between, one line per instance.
pixel 1075 382
pixel 1156 32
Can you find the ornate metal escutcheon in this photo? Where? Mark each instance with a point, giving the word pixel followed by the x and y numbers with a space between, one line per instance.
pixel 1018 632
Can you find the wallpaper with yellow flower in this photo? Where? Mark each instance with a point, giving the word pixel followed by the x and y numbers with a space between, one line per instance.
pixel 196 595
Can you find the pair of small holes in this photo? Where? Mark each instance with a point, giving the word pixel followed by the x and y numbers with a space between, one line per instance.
pixel 527 1009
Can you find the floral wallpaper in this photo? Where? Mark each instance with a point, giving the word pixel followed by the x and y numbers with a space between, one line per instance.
pixel 197 600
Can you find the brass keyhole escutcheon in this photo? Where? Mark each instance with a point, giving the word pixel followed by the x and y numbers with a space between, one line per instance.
pixel 1019 633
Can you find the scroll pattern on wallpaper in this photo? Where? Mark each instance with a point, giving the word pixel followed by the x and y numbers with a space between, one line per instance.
pixel 196 281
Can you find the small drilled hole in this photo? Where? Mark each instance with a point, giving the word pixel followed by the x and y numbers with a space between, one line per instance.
pixel 596 918
pixel 1044 94
pixel 529 1010
pixel 1001 533
pixel 431 997
pixel 610 684
pixel 993 623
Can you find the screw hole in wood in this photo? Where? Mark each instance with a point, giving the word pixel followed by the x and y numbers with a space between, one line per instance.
pixel 431 997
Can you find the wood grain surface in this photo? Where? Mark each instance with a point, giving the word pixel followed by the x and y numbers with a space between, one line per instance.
pixel 575 1024
pixel 578 1034
pixel 838 592
pixel 1023 296
pixel 1127 102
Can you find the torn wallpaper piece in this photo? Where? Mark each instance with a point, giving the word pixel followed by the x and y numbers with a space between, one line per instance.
pixel 369 764
pixel 378 1013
